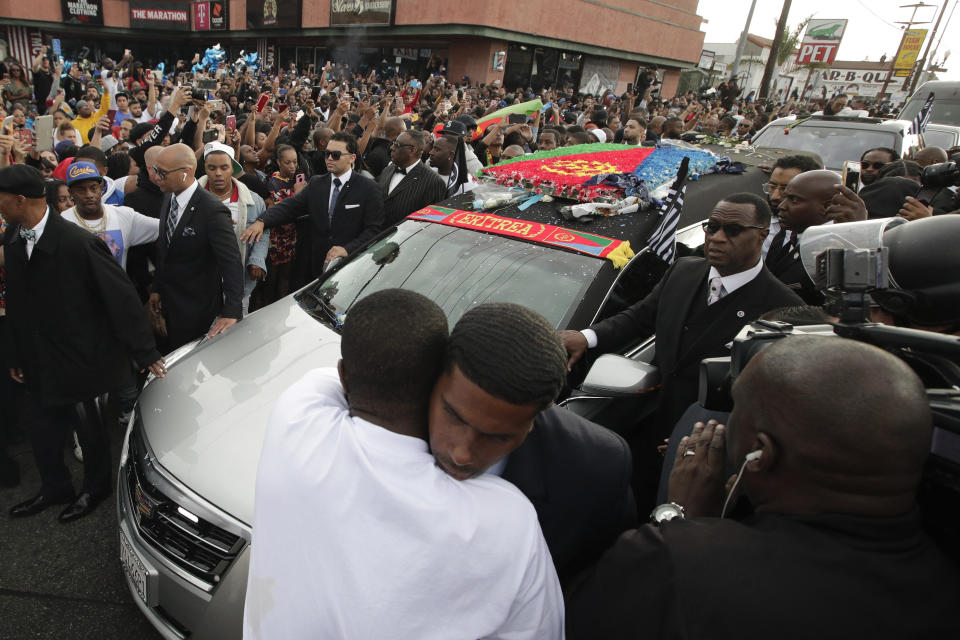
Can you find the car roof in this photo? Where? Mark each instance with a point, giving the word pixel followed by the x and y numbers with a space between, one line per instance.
pixel 844 122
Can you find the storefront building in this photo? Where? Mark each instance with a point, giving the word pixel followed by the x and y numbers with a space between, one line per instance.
pixel 589 45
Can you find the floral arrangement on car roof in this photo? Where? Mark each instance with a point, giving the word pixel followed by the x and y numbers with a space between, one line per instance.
pixel 591 172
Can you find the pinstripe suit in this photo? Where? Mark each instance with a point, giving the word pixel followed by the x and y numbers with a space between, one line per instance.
pixel 420 187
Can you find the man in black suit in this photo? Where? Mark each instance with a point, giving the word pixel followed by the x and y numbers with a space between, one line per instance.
pixel 74 322
pixel 198 286
pixel 830 438
pixel 696 310
pixel 806 199
pixel 407 185
pixel 355 203
pixel 491 413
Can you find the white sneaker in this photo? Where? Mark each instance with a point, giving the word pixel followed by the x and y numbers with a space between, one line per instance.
pixel 77 451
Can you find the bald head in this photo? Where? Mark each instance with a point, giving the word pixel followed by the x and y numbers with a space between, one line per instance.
pixel 930 155
pixel 178 165
pixel 805 199
pixel 151 154
pixel 844 427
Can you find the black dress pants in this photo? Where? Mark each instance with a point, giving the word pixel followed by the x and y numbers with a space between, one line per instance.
pixel 48 428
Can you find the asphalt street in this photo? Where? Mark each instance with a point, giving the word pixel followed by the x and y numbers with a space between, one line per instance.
pixel 63 581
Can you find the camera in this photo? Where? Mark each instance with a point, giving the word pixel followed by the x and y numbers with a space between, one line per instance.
pixel 940 176
pixel 877 260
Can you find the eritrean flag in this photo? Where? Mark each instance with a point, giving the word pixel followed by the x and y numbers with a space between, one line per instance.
pixel 617 251
pixel 572 166
pixel 526 108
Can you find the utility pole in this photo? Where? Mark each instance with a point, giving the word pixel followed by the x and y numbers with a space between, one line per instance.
pixel 743 41
pixel 906 27
pixel 923 61
pixel 774 50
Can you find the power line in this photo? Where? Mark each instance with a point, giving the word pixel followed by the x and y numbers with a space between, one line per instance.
pixel 877 16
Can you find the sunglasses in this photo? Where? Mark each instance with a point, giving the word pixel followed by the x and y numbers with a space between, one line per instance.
pixel 333 155
pixel 768 187
pixel 730 229
pixel 163 173
pixel 874 165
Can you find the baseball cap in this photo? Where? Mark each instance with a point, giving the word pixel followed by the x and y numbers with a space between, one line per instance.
pixel 23 181
pixel 108 142
pixel 81 103
pixel 466 121
pixel 455 127
pixel 82 170
pixel 219 147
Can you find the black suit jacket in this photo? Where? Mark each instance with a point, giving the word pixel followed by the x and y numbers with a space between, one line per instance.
pixel 199 273
pixel 419 188
pixel 577 475
pixel 74 319
pixel 669 310
pixel 830 577
pixel 357 215
pixel 785 265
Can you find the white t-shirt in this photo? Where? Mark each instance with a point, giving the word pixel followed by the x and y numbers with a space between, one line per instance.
pixel 121 228
pixel 358 534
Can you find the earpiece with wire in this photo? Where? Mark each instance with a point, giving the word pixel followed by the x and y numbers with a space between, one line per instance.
pixel 753 455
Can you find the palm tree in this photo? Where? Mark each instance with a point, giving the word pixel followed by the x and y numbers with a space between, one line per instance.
pixel 791 42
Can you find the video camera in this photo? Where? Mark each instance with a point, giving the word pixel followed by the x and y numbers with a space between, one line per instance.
pixel 850 263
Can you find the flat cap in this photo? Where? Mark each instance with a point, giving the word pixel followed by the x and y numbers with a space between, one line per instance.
pixel 22 180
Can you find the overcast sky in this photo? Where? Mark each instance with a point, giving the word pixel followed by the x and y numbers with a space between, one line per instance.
pixel 871 31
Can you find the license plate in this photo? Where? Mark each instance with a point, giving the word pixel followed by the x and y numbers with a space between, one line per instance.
pixel 133 566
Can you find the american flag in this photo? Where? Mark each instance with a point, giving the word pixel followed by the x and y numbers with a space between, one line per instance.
pixel 663 241
pixel 921 119
pixel 24 45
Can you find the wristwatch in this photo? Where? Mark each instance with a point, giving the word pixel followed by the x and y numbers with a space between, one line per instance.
pixel 667 511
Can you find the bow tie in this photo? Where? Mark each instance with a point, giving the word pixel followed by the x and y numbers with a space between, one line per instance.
pixel 400 170
pixel 28 234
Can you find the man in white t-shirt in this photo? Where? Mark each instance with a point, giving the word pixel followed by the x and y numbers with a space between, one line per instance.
pixel 357 533
pixel 118 226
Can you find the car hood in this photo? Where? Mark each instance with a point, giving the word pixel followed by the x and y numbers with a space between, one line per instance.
pixel 205 420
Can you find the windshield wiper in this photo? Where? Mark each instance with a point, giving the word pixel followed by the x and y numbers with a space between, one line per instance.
pixel 324 305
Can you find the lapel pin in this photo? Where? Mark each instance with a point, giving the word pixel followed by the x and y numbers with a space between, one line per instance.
pixel 740 314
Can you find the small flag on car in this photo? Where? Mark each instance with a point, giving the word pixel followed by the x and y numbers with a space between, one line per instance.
pixel 663 241
pixel 921 119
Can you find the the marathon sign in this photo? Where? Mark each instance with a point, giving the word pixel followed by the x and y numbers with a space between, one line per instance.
pixel 854 82
pixel 172 16
pixel 82 11
pixel 821 41
pixel 365 12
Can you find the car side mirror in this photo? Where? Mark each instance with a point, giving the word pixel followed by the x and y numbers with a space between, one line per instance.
pixel 612 376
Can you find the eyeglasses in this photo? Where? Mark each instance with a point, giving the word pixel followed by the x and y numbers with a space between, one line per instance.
pixel 874 165
pixel 768 187
pixel 333 155
pixel 163 173
pixel 397 145
pixel 730 229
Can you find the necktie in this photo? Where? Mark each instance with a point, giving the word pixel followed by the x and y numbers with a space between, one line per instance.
pixel 716 290
pixel 400 170
pixel 333 197
pixel 172 218
pixel 28 234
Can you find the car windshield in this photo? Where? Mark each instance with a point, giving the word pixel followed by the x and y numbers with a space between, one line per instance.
pixel 459 268
pixel 936 138
pixel 834 145
pixel 943 112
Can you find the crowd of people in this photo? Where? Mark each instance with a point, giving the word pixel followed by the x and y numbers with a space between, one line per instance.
pixel 149 210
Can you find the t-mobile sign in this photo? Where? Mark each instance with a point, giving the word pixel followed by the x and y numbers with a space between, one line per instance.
pixel 201 16
pixel 821 41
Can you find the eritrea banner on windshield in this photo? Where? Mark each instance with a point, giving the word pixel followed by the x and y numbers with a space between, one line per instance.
pixel 617 251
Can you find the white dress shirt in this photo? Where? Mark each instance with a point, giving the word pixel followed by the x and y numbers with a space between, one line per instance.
pixel 38 230
pixel 183 198
pixel 357 533
pixel 730 284
pixel 343 181
pixel 774 230
pixel 397 177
